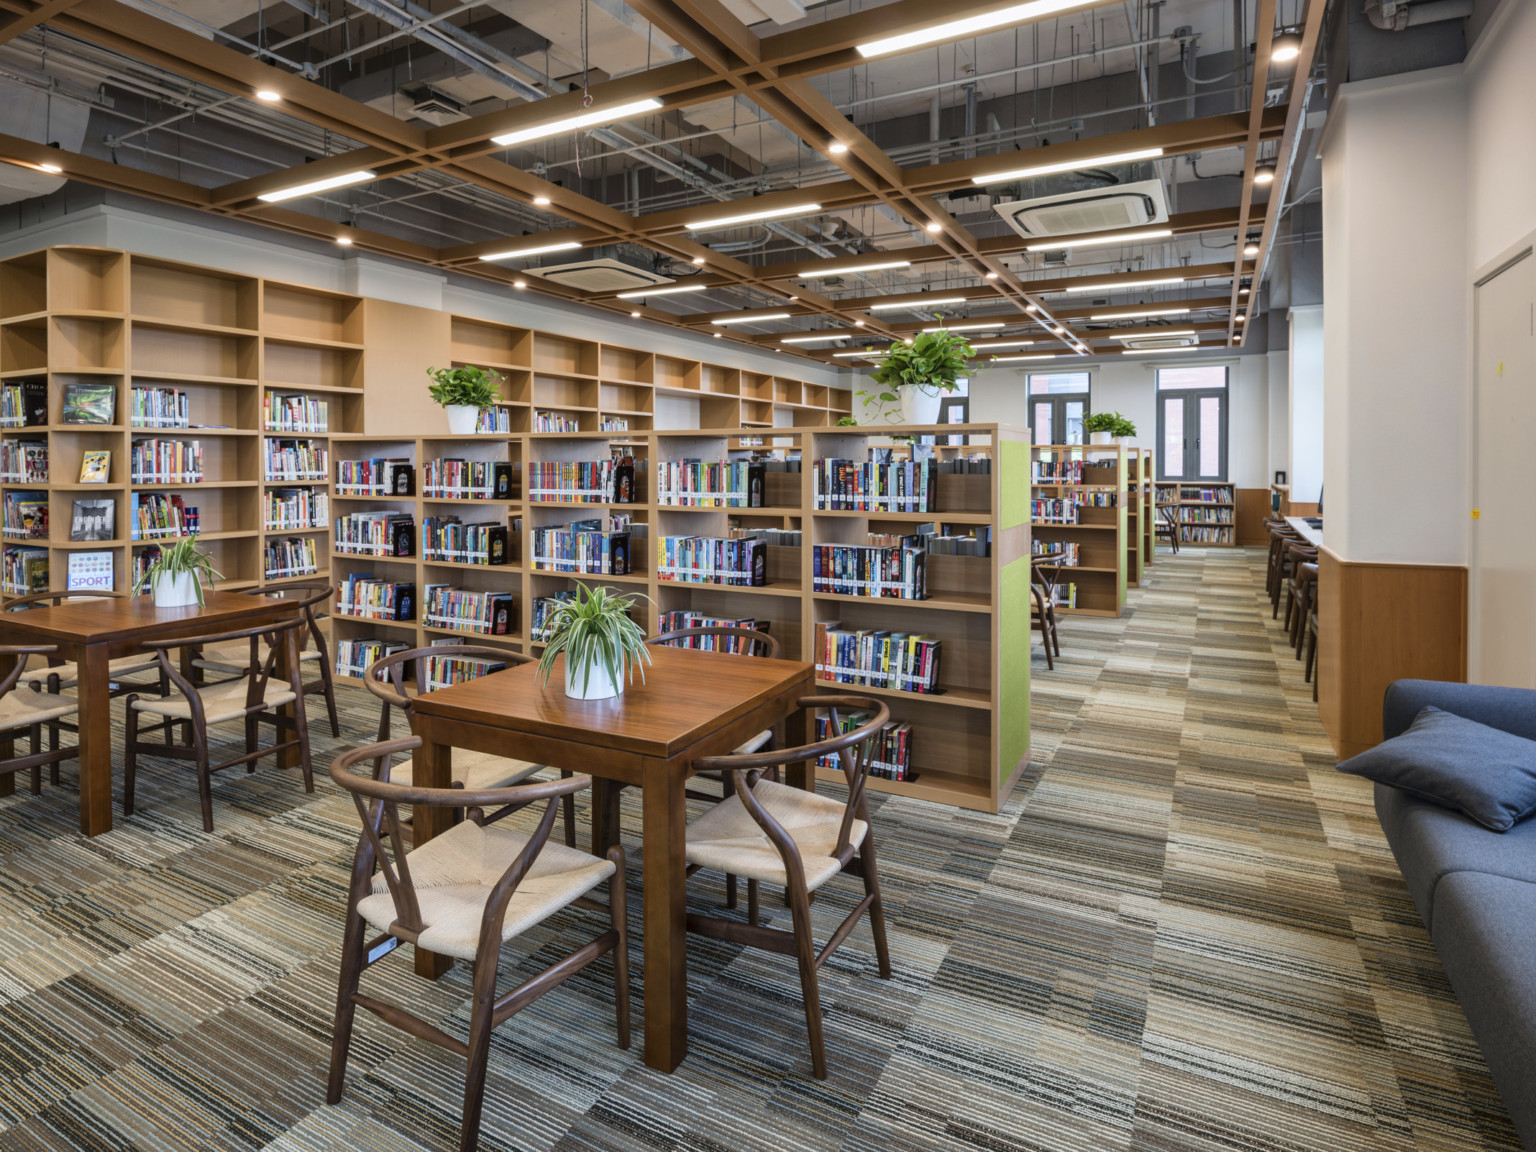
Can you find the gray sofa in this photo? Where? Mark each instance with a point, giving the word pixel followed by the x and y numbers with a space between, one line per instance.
pixel 1476 891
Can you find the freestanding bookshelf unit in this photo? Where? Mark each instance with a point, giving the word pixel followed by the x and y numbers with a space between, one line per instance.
pixel 1080 509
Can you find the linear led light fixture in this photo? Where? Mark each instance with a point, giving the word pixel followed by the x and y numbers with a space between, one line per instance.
pixel 1127 284
pixel 1099 239
pixel 537 250
pixel 1158 335
pixel 361 176
pixel 1143 312
pixel 1069 166
pixel 856 269
pixel 965 327
pixel 748 217
pixel 673 291
pixel 918 304
pixel 852 355
pixel 752 319
pixel 1150 351
pixel 1006 344
pixel 1031 356
pixel 958 29
pixel 820 336
pixel 580 120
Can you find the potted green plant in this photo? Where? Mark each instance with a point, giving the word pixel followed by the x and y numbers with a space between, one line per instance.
pixel 917 375
pixel 464 393
pixel 601 644
pixel 1102 427
pixel 177 575
pixel 1123 429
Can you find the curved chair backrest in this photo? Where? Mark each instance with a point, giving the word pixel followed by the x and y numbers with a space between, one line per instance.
pixel 385 677
pixel 745 641
pixel 307 595
pixel 259 670
pixel 378 805
pixel 851 748
pixel 22 652
pixel 1045 571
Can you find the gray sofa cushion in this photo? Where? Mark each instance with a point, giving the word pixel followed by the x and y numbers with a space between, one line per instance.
pixel 1485 932
pixel 1430 842
pixel 1447 759
pixel 1508 709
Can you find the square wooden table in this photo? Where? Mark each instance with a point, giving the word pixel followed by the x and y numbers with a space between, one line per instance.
pixel 692 704
pixel 93 633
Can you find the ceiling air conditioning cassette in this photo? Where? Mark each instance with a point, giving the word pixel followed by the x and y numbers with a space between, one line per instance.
pixel 1164 342
pixel 1091 210
pixel 601 275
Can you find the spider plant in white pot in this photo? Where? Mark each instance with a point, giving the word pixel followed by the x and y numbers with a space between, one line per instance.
pixel 177 575
pixel 464 393
pixel 601 644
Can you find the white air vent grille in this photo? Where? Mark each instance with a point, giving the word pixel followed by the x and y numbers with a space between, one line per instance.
pixel 1092 210
pixel 1164 342
pixel 600 276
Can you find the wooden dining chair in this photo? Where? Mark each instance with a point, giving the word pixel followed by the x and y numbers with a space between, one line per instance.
pixel 1045 573
pixel 775 834
pixel 1279 568
pixel 254 698
pixel 1297 553
pixel 1303 590
pixel 1313 667
pixel 31 710
pixel 387 679
pixel 463 894
pixel 714 638
pixel 312 598
pixel 55 673
pixel 1167 525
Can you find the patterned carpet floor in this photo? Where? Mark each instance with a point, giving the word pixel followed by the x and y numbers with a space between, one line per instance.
pixel 1184 933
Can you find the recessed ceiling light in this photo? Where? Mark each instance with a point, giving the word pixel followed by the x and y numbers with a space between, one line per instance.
pixel 855 269
pixel 748 217
pixel 794 297
pixel 698 259
pixel 837 147
pixel 925 303
pixel 1251 248
pixel 1100 239
pixel 1264 174
pixel 858 323
pixel 956 29
pixel 1285 48
pixel 344 241
pixel 51 169
pixel 1240 317
pixel 268 95
pixel 1242 291
pixel 581 120
pixel 1126 284
pixel 965 327
pixel 1031 308
pixel 642 293
pixel 536 250
pixel 1143 335
pixel 718 335
pixel 752 319
pixel 541 201
pixel 935 227
pixel 991 275
pixel 1142 312
pixel 361 176
pixel 634 315
pixel 1069 166
pixel 519 283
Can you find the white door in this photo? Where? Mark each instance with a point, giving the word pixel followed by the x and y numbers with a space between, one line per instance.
pixel 1502 608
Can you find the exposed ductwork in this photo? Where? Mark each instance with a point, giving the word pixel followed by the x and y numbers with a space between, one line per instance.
pixel 1396 15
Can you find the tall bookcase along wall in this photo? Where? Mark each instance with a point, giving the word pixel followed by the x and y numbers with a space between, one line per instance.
pixel 1079 509
pixel 1205 510
pixel 969 738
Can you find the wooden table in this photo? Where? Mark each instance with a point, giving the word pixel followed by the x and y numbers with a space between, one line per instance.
pixel 692 704
pixel 92 633
pixel 1313 536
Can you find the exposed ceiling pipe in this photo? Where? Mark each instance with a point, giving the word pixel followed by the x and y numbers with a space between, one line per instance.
pixel 1396 15
pixel 464 47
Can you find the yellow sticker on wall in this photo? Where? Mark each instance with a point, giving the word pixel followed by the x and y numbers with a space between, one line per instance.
pixel 1499 371
pixel 1476 514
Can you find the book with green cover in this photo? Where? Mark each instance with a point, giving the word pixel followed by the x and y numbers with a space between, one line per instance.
pixel 90 403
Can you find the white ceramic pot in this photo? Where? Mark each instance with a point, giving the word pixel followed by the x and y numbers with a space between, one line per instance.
pixel 600 685
pixel 1101 438
pixel 919 406
pixel 462 419
pixel 176 591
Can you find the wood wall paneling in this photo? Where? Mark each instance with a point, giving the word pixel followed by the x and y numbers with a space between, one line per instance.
pixel 400 343
pixel 1252 508
pixel 1378 623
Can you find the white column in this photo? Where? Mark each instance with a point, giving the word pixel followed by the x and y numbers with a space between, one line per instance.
pixel 1396 338
pixel 1304 420
pixel 1279 414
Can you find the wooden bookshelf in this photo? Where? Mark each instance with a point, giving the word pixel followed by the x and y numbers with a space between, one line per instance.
pixel 1146 495
pixel 71 315
pixel 979 607
pixel 1206 511
pixel 1101 532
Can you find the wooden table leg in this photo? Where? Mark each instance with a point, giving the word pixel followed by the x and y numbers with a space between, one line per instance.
pixel 605 815
pixel 666 939
pixel 431 767
pixel 7 744
pixel 94 694
pixel 796 734
pixel 288 757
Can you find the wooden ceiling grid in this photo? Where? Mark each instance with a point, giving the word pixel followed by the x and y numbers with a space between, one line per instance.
pixel 728 60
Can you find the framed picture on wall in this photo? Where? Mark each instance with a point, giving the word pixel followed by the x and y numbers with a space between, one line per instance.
pixel 1279 477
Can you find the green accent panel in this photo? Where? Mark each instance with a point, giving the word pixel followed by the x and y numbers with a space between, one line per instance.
pixel 1013 483
pixel 1125 539
pixel 1013 644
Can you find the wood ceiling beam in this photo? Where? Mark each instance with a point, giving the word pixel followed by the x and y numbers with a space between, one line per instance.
pixel 1264 28
pixel 1123 310
pixel 103 173
pixel 25 21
